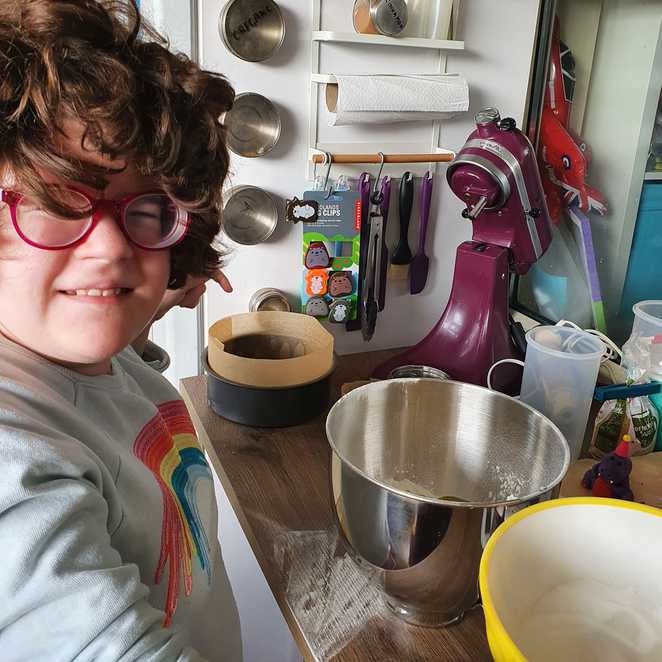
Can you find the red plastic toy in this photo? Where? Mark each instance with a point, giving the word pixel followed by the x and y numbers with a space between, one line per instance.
pixel 564 156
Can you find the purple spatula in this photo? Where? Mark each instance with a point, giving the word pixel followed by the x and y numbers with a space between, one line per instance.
pixel 418 269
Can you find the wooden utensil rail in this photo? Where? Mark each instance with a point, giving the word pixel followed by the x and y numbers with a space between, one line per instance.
pixel 387 158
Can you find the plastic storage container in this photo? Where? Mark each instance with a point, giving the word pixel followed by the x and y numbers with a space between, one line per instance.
pixel 637 349
pixel 644 277
pixel 560 373
pixel 654 374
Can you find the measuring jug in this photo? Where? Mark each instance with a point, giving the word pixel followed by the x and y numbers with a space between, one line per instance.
pixel 560 372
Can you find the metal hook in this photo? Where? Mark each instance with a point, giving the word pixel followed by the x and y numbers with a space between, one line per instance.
pixel 376 197
pixel 342 183
pixel 328 159
pixel 315 169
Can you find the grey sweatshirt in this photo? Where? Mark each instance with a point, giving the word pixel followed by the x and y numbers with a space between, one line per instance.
pixel 107 519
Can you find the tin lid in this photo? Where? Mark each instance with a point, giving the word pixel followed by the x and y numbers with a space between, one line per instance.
pixel 250 215
pixel 389 16
pixel 269 299
pixel 253 125
pixel 421 371
pixel 253 30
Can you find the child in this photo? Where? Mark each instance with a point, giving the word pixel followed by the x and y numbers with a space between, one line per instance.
pixel 112 162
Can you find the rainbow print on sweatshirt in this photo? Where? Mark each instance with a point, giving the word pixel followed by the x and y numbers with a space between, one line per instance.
pixel 169 448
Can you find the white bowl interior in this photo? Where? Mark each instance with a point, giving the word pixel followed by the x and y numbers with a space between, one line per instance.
pixel 581 582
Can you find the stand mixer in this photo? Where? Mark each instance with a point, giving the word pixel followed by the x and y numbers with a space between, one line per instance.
pixel 496 175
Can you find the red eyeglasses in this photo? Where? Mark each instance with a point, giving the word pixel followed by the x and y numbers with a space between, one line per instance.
pixel 151 220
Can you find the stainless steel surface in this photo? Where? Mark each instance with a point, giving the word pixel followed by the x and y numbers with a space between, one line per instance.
pixel 253 30
pixel 269 298
pixel 422 473
pixel 420 371
pixel 478 207
pixel 487 116
pixel 253 125
pixel 389 16
pixel 250 215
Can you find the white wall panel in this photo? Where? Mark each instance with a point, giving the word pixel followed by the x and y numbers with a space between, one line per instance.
pixel 499 40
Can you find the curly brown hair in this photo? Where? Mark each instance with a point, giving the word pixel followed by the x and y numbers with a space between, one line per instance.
pixel 99 63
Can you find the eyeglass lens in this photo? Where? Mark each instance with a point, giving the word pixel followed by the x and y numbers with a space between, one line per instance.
pixel 150 221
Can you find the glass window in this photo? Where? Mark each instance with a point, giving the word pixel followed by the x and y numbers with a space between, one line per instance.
pixel 596 119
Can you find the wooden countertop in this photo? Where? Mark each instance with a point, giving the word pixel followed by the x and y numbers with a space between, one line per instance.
pixel 277 483
pixel 645 479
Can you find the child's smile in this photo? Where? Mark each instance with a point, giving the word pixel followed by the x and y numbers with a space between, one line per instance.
pixel 79 306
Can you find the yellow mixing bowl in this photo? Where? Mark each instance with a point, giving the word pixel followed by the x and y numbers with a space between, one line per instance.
pixel 610 545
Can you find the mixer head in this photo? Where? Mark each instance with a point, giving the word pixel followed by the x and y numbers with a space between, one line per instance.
pixel 496 175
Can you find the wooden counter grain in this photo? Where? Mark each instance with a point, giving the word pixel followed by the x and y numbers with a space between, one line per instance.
pixel 277 483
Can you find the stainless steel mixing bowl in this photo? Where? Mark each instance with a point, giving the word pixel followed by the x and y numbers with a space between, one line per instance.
pixel 250 215
pixel 422 473
pixel 253 125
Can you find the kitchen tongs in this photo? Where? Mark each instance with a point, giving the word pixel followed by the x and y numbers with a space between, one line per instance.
pixel 372 282
pixel 365 190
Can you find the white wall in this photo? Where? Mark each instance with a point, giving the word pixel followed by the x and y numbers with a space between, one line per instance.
pixel 172 18
pixel 499 40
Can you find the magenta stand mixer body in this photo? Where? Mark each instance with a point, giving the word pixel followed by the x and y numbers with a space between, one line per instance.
pixel 496 175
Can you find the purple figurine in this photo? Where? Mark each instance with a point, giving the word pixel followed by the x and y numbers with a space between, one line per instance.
pixel 611 476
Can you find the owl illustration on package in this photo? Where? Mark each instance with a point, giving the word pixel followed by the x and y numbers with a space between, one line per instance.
pixel 317 256
pixel 316 282
pixel 340 283
pixel 339 312
pixel 317 307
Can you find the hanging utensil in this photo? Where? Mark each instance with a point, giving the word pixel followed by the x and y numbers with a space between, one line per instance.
pixel 399 269
pixel 364 189
pixel 385 202
pixel 418 269
pixel 371 286
pixel 342 184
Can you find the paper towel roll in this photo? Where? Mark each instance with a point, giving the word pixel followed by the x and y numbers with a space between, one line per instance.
pixel 371 99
